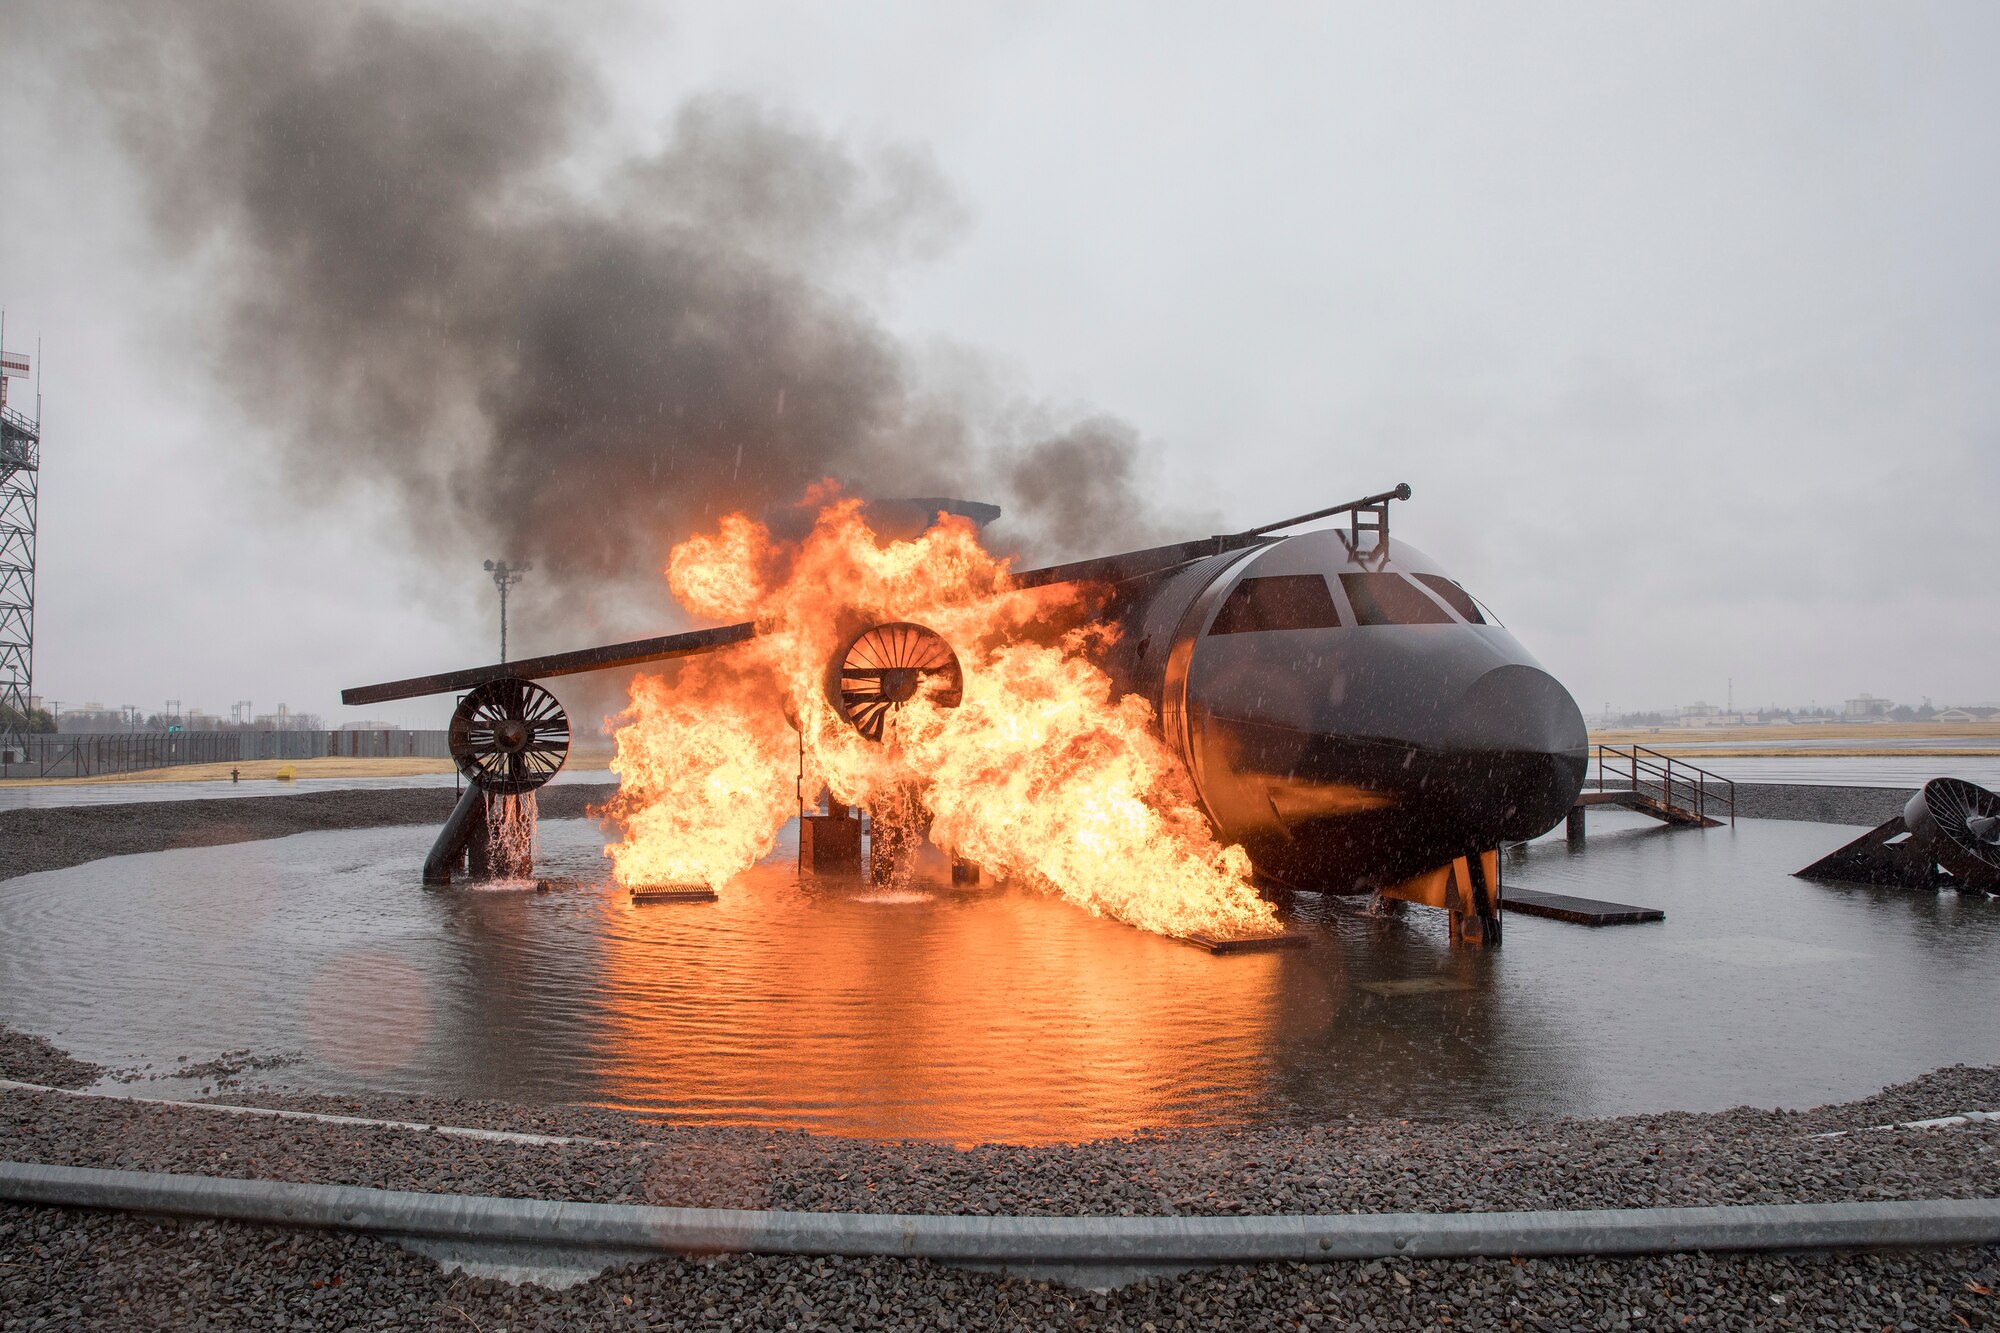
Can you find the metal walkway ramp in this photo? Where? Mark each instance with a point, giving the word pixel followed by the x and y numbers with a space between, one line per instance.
pixel 1671 790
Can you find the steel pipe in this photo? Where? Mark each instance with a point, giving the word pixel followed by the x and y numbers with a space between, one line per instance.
pixel 1117 1243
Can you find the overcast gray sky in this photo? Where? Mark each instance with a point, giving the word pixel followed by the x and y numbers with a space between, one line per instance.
pixel 1680 319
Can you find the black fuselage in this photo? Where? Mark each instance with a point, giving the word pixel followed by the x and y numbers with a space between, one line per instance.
pixel 1351 716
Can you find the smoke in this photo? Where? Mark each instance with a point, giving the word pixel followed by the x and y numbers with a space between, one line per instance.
pixel 1079 478
pixel 413 278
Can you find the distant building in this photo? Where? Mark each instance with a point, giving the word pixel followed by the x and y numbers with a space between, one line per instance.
pixel 1865 706
pixel 1967 715
pixel 284 719
pixel 95 717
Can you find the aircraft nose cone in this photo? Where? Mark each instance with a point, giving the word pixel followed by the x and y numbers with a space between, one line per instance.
pixel 1525 748
pixel 1519 709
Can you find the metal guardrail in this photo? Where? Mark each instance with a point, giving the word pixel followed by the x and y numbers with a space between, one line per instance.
pixel 1671 782
pixel 85 754
pixel 20 442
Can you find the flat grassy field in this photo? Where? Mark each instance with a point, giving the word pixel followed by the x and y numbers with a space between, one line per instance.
pixel 254 768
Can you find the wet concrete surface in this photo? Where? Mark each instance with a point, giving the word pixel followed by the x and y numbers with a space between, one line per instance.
pixel 995 1013
pixel 1810 769
pixel 26 796
pixel 33 841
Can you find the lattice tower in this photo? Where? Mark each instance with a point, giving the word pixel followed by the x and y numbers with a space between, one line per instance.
pixel 20 474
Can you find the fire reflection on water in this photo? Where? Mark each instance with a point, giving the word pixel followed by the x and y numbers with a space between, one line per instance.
pixel 972 1014
pixel 954 1013
pixel 991 1012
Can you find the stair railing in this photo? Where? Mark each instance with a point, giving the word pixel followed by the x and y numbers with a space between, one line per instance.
pixel 1673 783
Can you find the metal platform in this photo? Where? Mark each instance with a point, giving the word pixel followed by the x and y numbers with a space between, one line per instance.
pixel 1249 944
pixel 1578 911
pixel 673 893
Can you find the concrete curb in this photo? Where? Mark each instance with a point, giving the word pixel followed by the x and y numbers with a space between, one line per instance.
pixel 1109 1244
pixel 1936 1122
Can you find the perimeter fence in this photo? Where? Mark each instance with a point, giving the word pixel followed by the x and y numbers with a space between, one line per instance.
pixel 84 754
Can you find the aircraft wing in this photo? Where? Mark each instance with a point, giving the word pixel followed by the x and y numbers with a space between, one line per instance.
pixel 602 658
pixel 1125 565
pixel 1369 514
pixel 610 656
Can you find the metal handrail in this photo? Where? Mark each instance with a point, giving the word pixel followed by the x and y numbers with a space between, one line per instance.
pixel 20 439
pixel 1669 775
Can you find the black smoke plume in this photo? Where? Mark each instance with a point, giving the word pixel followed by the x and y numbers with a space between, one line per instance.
pixel 412 278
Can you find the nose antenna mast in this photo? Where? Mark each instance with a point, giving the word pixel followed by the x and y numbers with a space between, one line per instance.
pixel 1368 514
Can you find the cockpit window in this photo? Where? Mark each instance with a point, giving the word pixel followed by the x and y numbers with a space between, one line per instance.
pixel 1277 601
pixel 1390 599
pixel 1455 597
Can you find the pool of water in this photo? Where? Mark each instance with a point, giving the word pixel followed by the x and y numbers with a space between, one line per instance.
pixel 995 1013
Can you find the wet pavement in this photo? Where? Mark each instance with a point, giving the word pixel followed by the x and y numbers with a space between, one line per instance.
pixel 994 1013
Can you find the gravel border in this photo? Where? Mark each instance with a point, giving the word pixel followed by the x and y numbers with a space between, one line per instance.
pixel 57 837
pixel 1820 805
pixel 1665 1160
pixel 59 1269
pixel 1084 1250
pixel 31 1059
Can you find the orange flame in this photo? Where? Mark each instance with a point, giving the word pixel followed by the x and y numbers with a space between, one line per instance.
pixel 1040 774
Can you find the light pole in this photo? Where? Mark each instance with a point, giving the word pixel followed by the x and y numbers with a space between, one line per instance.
pixel 504 578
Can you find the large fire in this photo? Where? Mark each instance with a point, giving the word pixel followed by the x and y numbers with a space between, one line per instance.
pixel 1040 775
